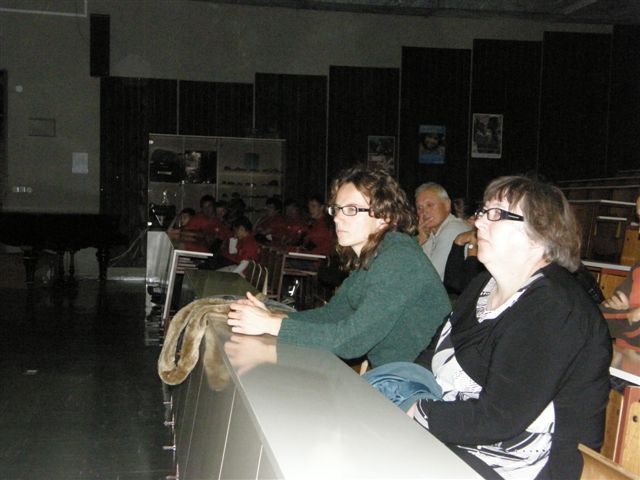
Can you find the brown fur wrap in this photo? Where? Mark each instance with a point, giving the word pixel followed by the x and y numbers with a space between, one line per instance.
pixel 192 319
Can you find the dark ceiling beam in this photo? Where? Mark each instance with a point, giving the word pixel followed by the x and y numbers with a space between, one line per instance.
pixel 608 12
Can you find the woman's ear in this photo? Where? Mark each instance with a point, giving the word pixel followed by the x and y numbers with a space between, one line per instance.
pixel 382 223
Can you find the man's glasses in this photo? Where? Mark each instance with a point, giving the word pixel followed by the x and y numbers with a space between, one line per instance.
pixel 349 210
pixel 495 214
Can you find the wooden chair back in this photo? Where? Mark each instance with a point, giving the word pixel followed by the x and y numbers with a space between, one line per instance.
pixel 257 276
pixel 597 466
pixel 627 451
pixel 619 457
pixel 611 424
pixel 271 260
pixel 610 280
pixel 630 247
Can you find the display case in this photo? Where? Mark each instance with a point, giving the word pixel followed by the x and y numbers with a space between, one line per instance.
pixel 183 168
pixel 251 169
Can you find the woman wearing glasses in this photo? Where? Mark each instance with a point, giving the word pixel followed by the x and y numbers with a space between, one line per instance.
pixel 518 374
pixel 392 301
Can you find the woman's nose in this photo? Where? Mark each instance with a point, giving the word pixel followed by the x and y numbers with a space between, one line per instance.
pixel 340 216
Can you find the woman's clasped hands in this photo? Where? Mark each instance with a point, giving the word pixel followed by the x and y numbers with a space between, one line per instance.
pixel 250 316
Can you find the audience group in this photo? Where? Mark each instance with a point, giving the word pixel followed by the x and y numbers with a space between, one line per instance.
pixel 224 229
pixel 515 374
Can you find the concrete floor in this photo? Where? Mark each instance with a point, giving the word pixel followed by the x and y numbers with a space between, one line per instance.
pixel 80 397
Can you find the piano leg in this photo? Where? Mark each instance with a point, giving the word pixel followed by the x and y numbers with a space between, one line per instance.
pixel 58 277
pixel 72 267
pixel 102 254
pixel 30 259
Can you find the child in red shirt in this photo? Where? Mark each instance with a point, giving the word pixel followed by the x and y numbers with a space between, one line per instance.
pixel 242 247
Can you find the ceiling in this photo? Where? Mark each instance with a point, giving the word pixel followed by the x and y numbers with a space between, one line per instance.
pixel 610 12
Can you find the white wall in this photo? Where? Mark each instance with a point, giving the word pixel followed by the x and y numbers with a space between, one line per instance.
pixel 48 56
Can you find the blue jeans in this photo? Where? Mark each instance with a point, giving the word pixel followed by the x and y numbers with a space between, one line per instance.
pixel 404 383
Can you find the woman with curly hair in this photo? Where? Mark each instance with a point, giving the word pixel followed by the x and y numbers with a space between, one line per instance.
pixel 392 301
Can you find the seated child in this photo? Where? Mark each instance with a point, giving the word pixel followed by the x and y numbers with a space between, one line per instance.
pixel 181 222
pixel 239 250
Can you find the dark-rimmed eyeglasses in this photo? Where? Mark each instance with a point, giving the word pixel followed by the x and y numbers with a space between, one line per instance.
pixel 348 210
pixel 495 214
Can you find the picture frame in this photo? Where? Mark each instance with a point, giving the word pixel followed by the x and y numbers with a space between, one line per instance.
pixel 381 153
pixel 486 135
pixel 433 144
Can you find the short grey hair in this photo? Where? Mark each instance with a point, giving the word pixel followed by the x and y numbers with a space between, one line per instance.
pixel 436 187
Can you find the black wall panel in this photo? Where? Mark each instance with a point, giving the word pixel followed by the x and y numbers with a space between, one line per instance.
pixel 435 91
pixel 574 105
pixel 216 109
pixel 294 107
pixel 99 45
pixel 624 111
pixel 506 81
pixel 130 109
pixel 362 102
pixel 570 111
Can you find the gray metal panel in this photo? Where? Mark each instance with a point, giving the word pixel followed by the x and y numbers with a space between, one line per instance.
pixel 242 451
pixel 212 415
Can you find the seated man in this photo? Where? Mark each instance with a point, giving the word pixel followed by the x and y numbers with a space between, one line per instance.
pixel 222 212
pixel 271 228
pixel 296 227
pixel 320 237
pixel 437 227
pixel 206 225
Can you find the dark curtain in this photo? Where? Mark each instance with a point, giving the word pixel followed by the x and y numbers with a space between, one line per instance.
pixel 624 117
pixel 294 108
pixel 216 109
pixel 435 91
pixel 574 105
pixel 130 109
pixel 3 134
pixel 363 102
pixel 506 81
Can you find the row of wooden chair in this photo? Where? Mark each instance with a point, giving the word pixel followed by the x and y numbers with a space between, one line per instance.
pixel 258 276
pixel 276 262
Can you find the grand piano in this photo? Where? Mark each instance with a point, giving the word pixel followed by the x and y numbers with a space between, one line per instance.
pixel 62 233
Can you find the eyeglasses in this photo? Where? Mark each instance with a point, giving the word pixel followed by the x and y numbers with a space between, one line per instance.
pixel 348 210
pixel 495 214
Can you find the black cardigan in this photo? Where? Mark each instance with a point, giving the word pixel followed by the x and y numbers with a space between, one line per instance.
pixel 552 344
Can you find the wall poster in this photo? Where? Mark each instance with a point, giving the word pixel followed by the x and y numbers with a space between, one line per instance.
pixel 381 153
pixel 432 147
pixel 486 139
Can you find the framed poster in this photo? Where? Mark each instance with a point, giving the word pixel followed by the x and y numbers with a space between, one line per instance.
pixel 381 153
pixel 486 138
pixel 432 147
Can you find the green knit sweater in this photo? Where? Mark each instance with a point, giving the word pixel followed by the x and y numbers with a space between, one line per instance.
pixel 388 312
